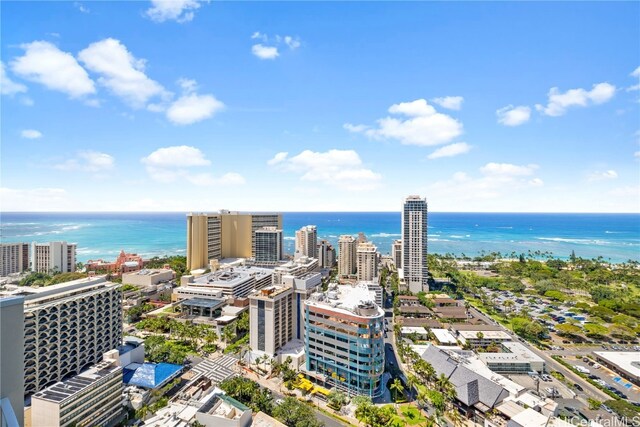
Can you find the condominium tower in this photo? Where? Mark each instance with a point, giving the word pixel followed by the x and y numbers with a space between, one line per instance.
pixel 270 318
pixel 367 260
pixel 14 258
pixel 347 264
pixel 67 327
pixel 307 241
pixel 53 256
pixel 414 243
pixel 224 235
pixel 343 338
pixel 269 246
pixel 11 361
pixel 396 253
pixel 326 254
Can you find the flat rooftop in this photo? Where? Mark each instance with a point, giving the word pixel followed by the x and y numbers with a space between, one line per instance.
pixel 347 299
pixel 231 277
pixel 211 303
pixel 488 335
pixel 63 390
pixel 629 361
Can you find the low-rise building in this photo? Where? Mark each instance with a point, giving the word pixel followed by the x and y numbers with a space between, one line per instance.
pixel 418 331
pixel 482 338
pixel 148 277
pixel 444 337
pixel 91 398
pixel 625 363
pixel 124 263
pixel 232 282
pixel 515 358
pixel 297 268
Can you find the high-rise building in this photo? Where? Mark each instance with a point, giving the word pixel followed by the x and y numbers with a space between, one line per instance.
pixel 414 243
pixel 91 398
pixel 326 254
pixel 268 245
pixel 53 256
pixel 307 241
pixel 14 258
pixel 303 286
pixel 343 339
pixel 347 265
pixel 11 361
pixel 367 256
pixel 270 319
pixel 67 327
pixel 224 235
pixel 396 253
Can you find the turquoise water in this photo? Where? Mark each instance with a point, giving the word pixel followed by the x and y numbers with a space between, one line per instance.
pixel 103 235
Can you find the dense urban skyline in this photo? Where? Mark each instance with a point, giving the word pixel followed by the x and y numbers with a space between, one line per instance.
pixel 306 106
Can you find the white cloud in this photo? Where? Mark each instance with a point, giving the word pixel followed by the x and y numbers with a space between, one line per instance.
pixel 44 63
pixel 496 180
pixel 192 108
pixel 355 128
pixel 507 169
pixel 424 125
pixel 292 42
pixel 31 134
pixel 265 52
pixel 88 161
pixel 636 72
pixel 636 154
pixel 172 10
pixel 450 150
pixel 278 158
pixel 171 164
pixel 33 199
pixel 558 102
pixel 8 86
pixel 600 176
pixel 339 168
pixel 513 116
pixel 82 8
pixel 120 72
pixel 450 102
pixel 268 48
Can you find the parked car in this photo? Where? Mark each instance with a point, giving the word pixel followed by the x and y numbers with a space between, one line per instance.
pixel 578 387
pixel 606 408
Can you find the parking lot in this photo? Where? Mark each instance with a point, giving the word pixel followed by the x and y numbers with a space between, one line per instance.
pixel 610 378
pixel 526 381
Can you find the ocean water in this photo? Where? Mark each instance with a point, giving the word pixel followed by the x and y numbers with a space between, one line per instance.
pixel 103 235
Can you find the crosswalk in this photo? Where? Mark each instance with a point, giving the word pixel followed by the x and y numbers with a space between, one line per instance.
pixel 217 370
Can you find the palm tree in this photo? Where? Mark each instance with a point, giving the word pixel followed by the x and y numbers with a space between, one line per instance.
pixel 412 382
pixel 210 337
pixel 397 387
pixel 456 418
pixel 430 421
pixel 508 304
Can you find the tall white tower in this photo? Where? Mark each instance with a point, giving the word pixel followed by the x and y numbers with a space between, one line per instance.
pixel 414 243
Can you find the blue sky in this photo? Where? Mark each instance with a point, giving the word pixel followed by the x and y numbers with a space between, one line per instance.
pixel 295 106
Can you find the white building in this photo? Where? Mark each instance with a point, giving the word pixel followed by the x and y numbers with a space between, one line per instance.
pixel 303 287
pixel 148 277
pixel 14 258
pixel 444 337
pixel 414 243
pixel 516 358
pixel 479 338
pixel 270 319
pixel 374 287
pixel 233 282
pixel 367 259
pixel 268 244
pixel 347 265
pixel 67 327
pixel 91 398
pixel 53 256
pixel 12 361
pixel 297 268
pixel 396 253
pixel 307 241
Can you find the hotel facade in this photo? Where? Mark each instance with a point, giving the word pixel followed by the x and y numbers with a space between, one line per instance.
pixel 414 244
pixel 224 235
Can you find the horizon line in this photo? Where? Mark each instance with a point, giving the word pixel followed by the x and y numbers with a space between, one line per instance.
pixel 339 212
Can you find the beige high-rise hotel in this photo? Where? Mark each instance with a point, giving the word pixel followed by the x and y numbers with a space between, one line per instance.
pixel 224 235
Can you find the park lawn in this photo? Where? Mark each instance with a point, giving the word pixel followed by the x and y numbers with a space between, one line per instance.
pixel 408 415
